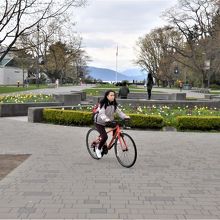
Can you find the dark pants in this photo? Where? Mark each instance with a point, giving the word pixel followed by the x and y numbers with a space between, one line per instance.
pixel 149 93
pixel 103 135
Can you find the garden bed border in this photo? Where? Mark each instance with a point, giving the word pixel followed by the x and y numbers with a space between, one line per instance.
pixel 21 109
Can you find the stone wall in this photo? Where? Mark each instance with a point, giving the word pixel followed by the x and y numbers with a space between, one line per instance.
pixel 21 109
pixel 62 99
pixel 171 103
pixel 156 96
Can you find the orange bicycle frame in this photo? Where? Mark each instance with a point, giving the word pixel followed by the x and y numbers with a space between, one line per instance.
pixel 114 135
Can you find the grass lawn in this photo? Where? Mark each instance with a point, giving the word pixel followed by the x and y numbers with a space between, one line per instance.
pixel 11 89
pixel 98 90
pixel 215 92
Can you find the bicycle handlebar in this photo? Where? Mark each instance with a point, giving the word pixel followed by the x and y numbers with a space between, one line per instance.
pixel 120 122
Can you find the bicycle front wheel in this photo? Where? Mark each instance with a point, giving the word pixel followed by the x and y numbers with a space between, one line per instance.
pixel 125 151
pixel 92 135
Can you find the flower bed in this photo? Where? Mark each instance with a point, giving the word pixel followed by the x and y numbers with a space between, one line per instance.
pixel 17 105
pixel 169 114
pixel 182 119
pixel 26 98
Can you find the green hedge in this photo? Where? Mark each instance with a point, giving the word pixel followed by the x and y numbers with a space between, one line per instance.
pixel 146 121
pixel 76 117
pixel 198 122
pixel 67 117
pixel 73 117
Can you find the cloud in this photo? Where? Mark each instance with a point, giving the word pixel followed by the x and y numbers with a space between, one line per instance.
pixel 103 24
pixel 121 15
pixel 92 42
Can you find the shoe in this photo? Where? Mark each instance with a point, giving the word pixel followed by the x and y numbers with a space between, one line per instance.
pixel 104 150
pixel 98 153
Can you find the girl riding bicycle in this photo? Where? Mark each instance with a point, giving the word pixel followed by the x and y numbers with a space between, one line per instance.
pixel 105 117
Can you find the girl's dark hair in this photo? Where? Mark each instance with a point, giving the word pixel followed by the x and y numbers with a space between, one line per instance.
pixel 105 102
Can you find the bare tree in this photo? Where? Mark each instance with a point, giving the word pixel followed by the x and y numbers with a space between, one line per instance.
pixel 155 53
pixel 194 19
pixel 18 17
pixel 58 49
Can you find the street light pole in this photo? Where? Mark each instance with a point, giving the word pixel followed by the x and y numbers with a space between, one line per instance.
pixel 37 75
pixel 207 67
pixel 116 68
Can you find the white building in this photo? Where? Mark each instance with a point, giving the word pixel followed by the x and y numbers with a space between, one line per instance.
pixel 10 74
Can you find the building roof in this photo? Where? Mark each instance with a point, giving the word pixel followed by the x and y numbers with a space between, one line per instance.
pixel 5 61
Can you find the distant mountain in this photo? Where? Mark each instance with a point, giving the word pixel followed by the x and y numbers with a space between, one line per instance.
pixel 110 75
pixel 136 72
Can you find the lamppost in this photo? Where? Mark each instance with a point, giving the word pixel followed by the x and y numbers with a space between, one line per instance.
pixel 37 74
pixel 116 66
pixel 176 70
pixel 207 68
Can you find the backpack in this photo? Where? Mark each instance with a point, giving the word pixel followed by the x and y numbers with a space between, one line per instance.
pixel 95 109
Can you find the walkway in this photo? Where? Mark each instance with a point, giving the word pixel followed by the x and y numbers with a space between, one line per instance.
pixel 189 93
pixel 176 176
pixel 63 89
pixel 66 89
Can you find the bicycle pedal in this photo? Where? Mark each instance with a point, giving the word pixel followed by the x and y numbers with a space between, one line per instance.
pixel 105 150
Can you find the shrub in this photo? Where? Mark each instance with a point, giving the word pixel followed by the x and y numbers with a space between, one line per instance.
pixel 146 121
pixel 78 117
pixel 73 117
pixel 198 122
pixel 67 117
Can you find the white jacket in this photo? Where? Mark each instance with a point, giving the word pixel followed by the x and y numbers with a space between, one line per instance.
pixel 104 115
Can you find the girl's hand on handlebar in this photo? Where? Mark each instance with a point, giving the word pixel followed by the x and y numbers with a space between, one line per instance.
pixel 127 118
pixel 111 124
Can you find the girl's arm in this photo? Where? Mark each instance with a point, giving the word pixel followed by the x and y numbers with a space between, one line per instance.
pixel 121 114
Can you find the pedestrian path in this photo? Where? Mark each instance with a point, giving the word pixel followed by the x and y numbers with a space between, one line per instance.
pixel 176 175
pixel 67 89
pixel 18 118
pixel 49 91
pixel 189 93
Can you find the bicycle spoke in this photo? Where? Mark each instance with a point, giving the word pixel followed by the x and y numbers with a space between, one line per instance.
pixel 124 155
pixel 90 138
pixel 125 151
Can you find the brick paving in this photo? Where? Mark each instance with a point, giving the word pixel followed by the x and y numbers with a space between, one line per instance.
pixel 176 176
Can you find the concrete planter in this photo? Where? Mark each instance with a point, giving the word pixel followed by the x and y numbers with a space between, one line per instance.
pixel 21 109
pixel 170 103
pixel 156 96
pixel 169 128
pixel 35 114
pixel 73 98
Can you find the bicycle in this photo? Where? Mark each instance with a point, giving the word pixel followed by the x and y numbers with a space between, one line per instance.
pixel 124 145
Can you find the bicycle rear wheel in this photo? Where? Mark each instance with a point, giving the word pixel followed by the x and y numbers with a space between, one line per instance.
pixel 91 136
pixel 126 151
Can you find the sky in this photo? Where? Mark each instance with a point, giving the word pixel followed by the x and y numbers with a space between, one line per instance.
pixel 105 25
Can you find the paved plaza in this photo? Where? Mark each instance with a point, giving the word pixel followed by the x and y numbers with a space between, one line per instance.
pixel 176 176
